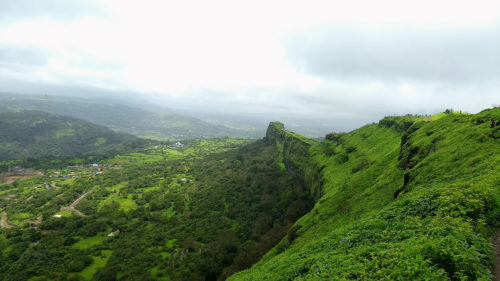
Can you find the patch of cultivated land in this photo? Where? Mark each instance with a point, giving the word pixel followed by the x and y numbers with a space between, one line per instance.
pixel 99 262
pixel 10 177
pixel 89 242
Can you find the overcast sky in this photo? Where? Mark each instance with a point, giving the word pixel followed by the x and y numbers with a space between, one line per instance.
pixel 337 64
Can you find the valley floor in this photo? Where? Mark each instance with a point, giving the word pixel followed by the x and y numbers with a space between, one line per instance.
pixel 200 212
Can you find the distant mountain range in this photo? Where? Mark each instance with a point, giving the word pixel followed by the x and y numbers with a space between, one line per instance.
pixel 141 122
pixel 34 134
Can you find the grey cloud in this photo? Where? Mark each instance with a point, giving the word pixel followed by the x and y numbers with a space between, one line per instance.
pixel 14 10
pixel 19 58
pixel 94 64
pixel 8 85
pixel 444 54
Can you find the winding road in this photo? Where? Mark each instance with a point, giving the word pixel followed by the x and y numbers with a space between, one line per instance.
pixel 4 222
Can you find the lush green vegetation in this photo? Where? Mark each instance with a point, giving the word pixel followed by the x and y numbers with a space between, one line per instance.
pixel 199 212
pixel 151 124
pixel 409 198
pixel 404 199
pixel 35 134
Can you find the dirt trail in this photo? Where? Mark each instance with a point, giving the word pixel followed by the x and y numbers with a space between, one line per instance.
pixel 3 221
pixel 73 205
pixel 496 247
pixel 36 222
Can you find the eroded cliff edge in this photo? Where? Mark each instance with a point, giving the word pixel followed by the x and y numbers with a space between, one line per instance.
pixel 295 156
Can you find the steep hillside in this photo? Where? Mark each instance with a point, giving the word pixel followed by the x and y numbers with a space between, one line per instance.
pixel 410 198
pixel 34 134
pixel 119 117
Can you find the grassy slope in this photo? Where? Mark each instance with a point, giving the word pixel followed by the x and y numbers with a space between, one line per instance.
pixel 99 262
pixel 37 134
pixel 446 177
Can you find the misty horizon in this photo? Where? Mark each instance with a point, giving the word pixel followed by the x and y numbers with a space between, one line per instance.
pixel 325 66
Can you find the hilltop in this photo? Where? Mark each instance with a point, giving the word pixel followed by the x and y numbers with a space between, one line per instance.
pixel 35 134
pixel 155 123
pixel 409 198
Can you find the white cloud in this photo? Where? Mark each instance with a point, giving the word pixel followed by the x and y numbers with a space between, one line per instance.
pixel 314 58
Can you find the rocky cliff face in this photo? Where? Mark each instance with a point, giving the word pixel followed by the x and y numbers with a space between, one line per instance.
pixel 293 151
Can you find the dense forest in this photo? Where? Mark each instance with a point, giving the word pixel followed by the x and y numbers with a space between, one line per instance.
pixel 196 214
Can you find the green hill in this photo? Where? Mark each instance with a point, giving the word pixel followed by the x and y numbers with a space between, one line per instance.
pixel 152 123
pixel 35 134
pixel 409 198
pixel 403 199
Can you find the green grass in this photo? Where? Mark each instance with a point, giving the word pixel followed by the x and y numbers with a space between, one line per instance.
pixel 99 262
pixel 126 204
pixel 117 187
pixel 137 159
pixel 165 255
pixel 170 243
pixel 68 181
pixel 155 271
pixel 65 213
pixel 173 154
pixel 403 200
pixel 90 242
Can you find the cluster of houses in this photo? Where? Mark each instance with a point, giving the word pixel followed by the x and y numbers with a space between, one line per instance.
pixel 94 166
pixel 97 167
pixel 177 145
